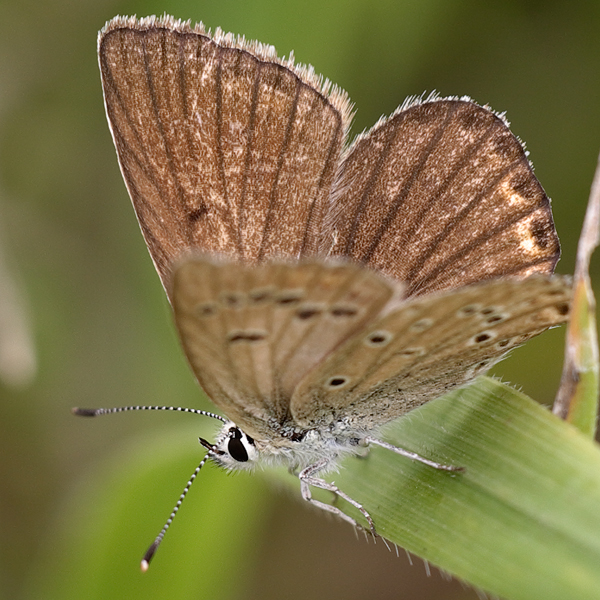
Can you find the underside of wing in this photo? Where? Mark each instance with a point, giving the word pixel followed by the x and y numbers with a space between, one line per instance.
pixel 224 147
pixel 252 333
pixel 439 196
pixel 427 347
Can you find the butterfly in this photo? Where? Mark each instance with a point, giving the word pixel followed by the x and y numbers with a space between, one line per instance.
pixel 320 289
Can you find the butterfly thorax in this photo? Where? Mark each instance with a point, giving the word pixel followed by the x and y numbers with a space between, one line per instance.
pixel 236 450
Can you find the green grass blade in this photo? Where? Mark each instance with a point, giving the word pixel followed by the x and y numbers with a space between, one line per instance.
pixel 523 520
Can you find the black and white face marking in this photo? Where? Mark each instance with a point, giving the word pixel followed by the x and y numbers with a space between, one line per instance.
pixel 234 449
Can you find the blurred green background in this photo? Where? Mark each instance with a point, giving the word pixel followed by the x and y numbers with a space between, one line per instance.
pixel 83 318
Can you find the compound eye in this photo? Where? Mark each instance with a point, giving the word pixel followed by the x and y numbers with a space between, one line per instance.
pixel 236 448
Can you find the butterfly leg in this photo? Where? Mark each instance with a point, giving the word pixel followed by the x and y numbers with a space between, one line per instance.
pixel 413 455
pixel 307 478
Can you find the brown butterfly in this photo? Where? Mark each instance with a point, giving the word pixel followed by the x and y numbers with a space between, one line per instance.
pixel 321 291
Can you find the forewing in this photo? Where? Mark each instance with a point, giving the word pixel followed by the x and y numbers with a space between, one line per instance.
pixel 252 333
pixel 427 347
pixel 224 148
pixel 439 196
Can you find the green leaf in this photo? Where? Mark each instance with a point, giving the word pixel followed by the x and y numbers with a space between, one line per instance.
pixel 522 521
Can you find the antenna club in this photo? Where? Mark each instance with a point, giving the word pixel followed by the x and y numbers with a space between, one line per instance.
pixel 145 564
pixel 84 412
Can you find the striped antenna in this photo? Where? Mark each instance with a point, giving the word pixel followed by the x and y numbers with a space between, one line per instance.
pixel 212 449
pixel 94 412
pixel 159 538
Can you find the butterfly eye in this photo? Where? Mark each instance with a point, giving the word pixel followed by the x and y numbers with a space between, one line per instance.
pixel 236 447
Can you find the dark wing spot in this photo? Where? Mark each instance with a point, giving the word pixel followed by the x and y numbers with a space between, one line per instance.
pixel 337 381
pixel 289 297
pixel 378 338
pixel 411 352
pixel 539 230
pixel 196 214
pixel 524 185
pixel 308 312
pixel 232 299
pixel 554 291
pixel 482 337
pixel 506 146
pixel 246 336
pixel 563 308
pixel 207 309
pixel 495 319
pixel 343 311
pixel 260 295
pixel 468 310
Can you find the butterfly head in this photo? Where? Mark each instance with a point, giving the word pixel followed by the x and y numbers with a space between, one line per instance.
pixel 234 449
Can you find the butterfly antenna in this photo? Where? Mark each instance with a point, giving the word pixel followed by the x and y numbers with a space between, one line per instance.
pixel 159 538
pixel 94 412
pixel 212 449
